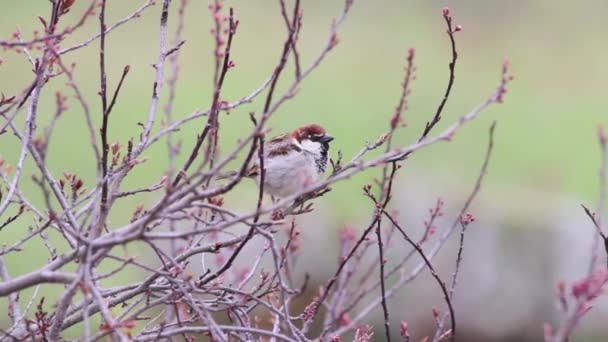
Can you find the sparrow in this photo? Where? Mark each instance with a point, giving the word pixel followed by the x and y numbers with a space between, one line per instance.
pixel 293 161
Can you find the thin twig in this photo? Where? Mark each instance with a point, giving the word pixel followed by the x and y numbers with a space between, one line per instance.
pixel 464 221
pixel 426 260
pixel 452 66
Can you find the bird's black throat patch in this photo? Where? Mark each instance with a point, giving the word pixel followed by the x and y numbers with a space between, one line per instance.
pixel 322 160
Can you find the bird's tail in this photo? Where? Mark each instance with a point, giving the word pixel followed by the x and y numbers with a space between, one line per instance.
pixel 226 175
pixel 253 171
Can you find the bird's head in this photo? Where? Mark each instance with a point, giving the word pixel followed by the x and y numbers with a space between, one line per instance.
pixel 313 138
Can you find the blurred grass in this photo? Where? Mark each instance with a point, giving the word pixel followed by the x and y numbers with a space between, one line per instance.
pixel 546 132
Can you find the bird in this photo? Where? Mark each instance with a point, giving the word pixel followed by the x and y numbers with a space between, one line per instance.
pixel 292 161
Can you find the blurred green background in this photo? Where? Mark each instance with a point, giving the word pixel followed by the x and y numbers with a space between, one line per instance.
pixel 546 144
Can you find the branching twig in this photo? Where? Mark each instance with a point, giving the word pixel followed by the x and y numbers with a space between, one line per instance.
pixel 466 219
pixel 428 264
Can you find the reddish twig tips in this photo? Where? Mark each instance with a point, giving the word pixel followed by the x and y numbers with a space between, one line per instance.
pixel 586 290
pixel 452 67
pixel 505 78
pixel 598 228
pixel 220 74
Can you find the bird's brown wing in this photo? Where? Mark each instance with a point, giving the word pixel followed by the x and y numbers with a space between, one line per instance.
pixel 279 146
pixel 253 171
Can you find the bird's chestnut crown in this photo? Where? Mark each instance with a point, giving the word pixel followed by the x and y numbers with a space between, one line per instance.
pixel 312 132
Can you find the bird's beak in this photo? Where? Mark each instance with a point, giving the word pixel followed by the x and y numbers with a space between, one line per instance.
pixel 327 138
